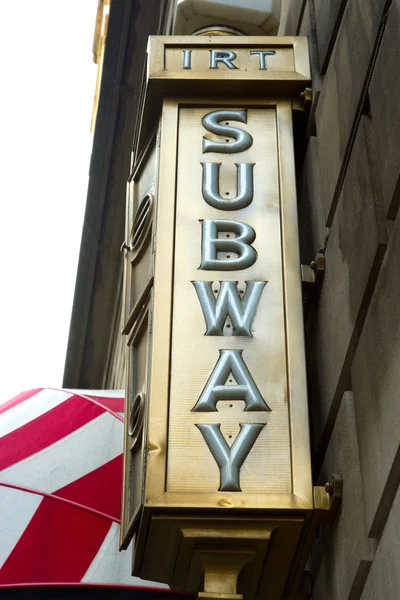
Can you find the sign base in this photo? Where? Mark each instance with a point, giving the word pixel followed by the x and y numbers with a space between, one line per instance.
pixel 225 557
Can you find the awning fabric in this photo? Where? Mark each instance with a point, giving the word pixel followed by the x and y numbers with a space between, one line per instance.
pixel 60 490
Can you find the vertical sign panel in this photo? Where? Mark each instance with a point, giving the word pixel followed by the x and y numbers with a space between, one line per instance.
pixel 229 407
pixel 138 282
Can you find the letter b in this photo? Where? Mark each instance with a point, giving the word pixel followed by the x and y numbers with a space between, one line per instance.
pixel 241 245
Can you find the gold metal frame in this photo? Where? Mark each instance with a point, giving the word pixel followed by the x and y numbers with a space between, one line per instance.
pixel 157 498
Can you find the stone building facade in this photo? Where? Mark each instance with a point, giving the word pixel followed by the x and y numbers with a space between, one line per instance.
pixel 348 202
pixel 348 195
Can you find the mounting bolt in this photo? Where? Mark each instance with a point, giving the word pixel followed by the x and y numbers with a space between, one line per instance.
pixel 303 101
pixel 329 487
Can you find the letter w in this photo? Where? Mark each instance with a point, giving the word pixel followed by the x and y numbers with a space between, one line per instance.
pixel 229 303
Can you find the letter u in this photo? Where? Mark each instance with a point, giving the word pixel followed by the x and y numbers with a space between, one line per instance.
pixel 245 187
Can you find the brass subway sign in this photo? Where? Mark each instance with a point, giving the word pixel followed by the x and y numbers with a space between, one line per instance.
pixel 221 466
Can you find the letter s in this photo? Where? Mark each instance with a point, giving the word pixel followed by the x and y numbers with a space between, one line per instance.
pixel 211 122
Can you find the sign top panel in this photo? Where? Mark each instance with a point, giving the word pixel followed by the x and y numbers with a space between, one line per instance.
pixel 222 66
pixel 271 65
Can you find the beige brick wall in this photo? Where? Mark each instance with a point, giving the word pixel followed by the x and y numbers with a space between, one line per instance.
pixel 349 188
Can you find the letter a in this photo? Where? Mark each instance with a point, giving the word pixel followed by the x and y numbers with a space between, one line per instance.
pixel 230 361
pixel 229 303
pixel 231 459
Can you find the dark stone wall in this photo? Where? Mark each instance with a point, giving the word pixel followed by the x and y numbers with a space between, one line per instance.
pixel 349 195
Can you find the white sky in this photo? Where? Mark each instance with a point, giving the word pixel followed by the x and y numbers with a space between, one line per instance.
pixel 47 89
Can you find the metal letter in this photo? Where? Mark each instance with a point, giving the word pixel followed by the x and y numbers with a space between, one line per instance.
pixel 241 245
pixel 230 362
pixel 222 56
pixel 229 303
pixel 187 59
pixel 210 186
pixel 211 122
pixel 230 460
pixel 262 54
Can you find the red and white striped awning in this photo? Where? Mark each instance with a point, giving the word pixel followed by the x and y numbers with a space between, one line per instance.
pixel 60 490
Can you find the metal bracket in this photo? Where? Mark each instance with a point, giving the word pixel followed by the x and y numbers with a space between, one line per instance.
pixel 303 102
pixel 311 278
pixel 312 274
pixel 327 501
